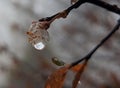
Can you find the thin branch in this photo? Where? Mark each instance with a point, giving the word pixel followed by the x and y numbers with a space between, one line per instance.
pixel 88 56
pixel 105 5
pixel 100 3
pixel 76 5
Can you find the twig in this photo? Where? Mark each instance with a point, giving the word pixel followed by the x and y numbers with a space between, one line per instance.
pixel 100 3
pixel 88 56
pixel 105 5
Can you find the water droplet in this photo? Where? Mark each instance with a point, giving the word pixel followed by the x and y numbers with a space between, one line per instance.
pixel 39 46
pixel 38 36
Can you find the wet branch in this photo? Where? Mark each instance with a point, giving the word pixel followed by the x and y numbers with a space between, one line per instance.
pixel 100 3
pixel 105 5
pixel 88 56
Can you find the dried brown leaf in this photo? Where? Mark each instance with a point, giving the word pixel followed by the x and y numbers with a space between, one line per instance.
pixel 78 75
pixel 76 68
pixel 56 79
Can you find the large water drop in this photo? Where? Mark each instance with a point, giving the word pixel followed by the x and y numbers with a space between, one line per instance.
pixel 37 36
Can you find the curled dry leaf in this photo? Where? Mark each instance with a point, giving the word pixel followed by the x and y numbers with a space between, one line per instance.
pixel 56 79
pixel 73 1
pixel 76 68
pixel 78 74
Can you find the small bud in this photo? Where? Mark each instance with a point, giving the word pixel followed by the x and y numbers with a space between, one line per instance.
pixel 58 62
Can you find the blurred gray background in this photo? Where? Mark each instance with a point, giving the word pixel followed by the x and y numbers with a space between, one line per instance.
pixel 22 66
